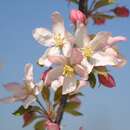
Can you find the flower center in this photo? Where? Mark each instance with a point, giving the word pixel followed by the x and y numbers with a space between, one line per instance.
pixel 88 52
pixel 68 71
pixel 59 40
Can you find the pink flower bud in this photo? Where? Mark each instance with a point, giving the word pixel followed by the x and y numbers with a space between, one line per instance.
pixel 52 126
pixel 44 74
pixel 121 11
pixel 77 16
pixel 107 80
pixel 99 20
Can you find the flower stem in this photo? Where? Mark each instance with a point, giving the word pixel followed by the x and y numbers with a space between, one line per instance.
pixel 83 6
pixel 60 110
pixel 43 109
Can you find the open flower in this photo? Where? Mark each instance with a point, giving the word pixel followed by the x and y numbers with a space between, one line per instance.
pixel 100 51
pixel 68 68
pixel 25 92
pixel 57 40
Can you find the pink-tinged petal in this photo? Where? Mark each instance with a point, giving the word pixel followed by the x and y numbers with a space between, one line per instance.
pixel 100 40
pixel 103 59
pixel 81 71
pixel 28 72
pixel 81 35
pixel 30 99
pixel 58 24
pixel 13 87
pixel 118 59
pixel 88 65
pixel 69 85
pixel 7 100
pixel 113 40
pixel 59 60
pixel 52 126
pixel 67 48
pixel 53 74
pixel 76 56
pixel 43 36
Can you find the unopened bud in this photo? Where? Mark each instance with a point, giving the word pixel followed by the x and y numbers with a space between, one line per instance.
pixel 76 16
pixel 121 11
pixel 107 80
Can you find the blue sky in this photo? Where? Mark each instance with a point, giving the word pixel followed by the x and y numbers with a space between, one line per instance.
pixel 104 109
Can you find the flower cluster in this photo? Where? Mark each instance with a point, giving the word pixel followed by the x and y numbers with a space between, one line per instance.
pixel 72 61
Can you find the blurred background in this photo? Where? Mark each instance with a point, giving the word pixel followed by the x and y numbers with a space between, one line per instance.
pixel 103 108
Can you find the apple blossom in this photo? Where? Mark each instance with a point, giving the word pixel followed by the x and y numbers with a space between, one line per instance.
pixel 57 40
pixel 68 68
pixel 99 51
pixel 25 92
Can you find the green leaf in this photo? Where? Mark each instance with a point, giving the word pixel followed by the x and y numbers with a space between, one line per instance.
pixel 101 70
pixel 71 106
pixel 35 109
pixel 40 125
pixel 74 113
pixel 102 3
pixel 74 1
pixel 92 80
pixel 46 93
pixel 20 111
pixel 75 95
pixel 58 95
pixel 102 15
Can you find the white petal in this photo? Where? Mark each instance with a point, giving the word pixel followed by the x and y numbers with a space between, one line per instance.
pixel 88 65
pixel 81 35
pixel 54 51
pixel 28 70
pixel 103 59
pixel 38 87
pixel 69 85
pixel 58 24
pixel 30 99
pixel 67 48
pixel 53 74
pixel 100 40
pixel 57 83
pixel 43 36
pixel 43 60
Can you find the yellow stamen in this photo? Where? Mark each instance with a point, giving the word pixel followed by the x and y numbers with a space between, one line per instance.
pixel 68 71
pixel 59 40
pixel 88 52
